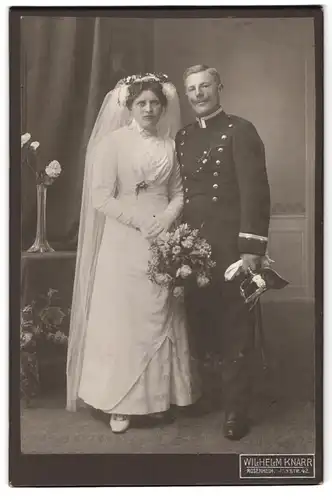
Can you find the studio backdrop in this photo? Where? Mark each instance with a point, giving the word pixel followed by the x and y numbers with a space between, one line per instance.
pixel 68 65
pixel 267 67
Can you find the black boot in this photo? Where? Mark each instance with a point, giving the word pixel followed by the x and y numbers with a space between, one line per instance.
pixel 236 392
pixel 236 425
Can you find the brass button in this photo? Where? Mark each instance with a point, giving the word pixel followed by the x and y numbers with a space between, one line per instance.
pixel 182 143
pixel 224 136
pixel 185 177
pixel 230 125
pixel 215 186
pixel 213 199
pixel 183 132
pixel 181 154
pixel 186 190
pixel 215 174
pixel 220 149
pixel 204 161
pixel 187 201
pixel 197 170
pixel 218 162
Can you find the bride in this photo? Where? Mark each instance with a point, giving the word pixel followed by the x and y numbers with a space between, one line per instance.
pixel 128 350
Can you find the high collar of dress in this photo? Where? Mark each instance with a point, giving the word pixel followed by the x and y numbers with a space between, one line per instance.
pixel 145 133
pixel 202 121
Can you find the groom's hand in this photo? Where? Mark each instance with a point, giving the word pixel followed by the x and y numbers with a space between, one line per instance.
pixel 250 261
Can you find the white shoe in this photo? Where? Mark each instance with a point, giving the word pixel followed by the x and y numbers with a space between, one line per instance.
pixel 119 423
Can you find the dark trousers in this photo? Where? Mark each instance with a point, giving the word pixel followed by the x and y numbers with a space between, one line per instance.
pixel 220 322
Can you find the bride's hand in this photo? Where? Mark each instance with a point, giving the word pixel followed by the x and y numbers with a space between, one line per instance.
pixel 155 227
pixel 151 229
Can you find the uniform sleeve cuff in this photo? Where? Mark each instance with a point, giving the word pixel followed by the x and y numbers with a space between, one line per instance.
pixel 252 243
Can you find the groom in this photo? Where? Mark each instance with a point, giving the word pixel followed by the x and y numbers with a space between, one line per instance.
pixel 227 197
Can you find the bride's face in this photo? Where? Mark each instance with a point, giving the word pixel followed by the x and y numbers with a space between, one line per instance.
pixel 147 109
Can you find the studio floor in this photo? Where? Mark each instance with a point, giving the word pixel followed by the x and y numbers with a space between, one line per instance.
pixel 283 415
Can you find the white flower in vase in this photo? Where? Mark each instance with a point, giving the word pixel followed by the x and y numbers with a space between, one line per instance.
pixel 25 138
pixel 53 169
pixel 34 145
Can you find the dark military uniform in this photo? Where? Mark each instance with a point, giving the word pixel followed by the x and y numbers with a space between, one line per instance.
pixel 227 197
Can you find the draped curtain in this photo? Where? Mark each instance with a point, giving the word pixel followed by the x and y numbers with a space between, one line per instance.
pixel 68 65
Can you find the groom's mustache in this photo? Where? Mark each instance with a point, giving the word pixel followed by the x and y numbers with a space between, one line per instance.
pixel 200 101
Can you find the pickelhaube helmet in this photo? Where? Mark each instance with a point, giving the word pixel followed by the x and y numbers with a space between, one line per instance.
pixel 255 284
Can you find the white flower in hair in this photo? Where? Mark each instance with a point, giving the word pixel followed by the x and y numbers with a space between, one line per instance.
pixel 124 84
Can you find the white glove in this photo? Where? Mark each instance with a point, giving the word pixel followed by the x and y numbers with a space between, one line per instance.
pixel 237 267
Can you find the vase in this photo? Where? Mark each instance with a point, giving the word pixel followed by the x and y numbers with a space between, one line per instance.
pixel 41 244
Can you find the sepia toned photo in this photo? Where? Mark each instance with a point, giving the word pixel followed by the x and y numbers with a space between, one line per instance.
pixel 169 239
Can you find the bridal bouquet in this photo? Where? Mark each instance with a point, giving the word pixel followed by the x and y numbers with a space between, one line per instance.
pixel 179 256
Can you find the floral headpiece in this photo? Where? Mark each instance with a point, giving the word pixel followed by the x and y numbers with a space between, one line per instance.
pixel 124 84
pixel 144 77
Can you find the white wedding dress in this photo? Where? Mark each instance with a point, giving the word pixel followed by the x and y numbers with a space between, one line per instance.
pixel 136 354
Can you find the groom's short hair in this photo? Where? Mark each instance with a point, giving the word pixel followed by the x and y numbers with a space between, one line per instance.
pixel 198 68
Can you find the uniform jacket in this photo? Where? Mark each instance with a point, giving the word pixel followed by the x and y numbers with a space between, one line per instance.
pixel 222 160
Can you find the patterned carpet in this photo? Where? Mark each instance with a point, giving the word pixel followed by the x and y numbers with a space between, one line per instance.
pixel 283 414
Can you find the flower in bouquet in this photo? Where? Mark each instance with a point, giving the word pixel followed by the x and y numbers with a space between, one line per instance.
pixel 163 279
pixel 178 291
pixel 178 256
pixel 176 236
pixel 176 250
pixel 188 242
pixel 184 271
pixel 202 280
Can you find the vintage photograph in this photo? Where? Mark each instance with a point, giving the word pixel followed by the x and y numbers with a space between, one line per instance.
pixel 168 235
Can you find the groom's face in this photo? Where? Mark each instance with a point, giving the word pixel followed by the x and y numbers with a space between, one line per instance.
pixel 202 91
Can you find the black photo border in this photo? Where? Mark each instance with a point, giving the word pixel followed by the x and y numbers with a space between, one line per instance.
pixel 145 469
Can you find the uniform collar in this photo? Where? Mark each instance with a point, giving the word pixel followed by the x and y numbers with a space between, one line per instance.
pixel 202 121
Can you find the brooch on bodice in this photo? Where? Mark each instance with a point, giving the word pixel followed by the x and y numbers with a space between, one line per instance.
pixel 141 186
